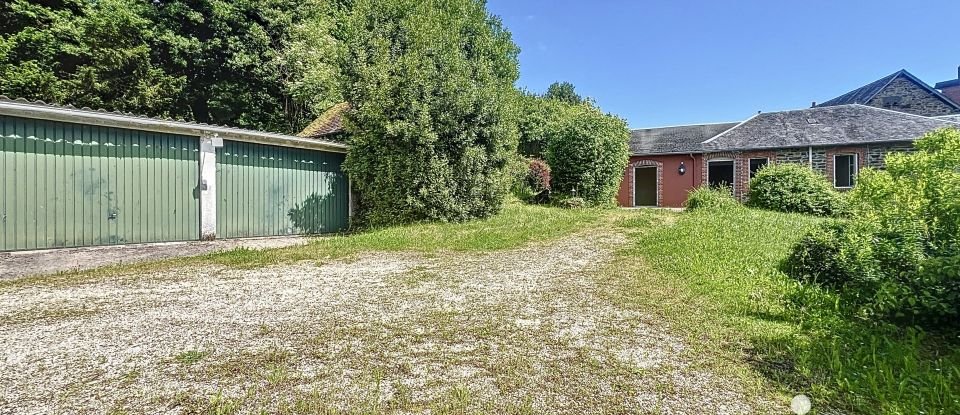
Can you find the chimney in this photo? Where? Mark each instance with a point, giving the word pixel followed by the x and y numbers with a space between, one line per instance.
pixel 951 88
pixel 814 105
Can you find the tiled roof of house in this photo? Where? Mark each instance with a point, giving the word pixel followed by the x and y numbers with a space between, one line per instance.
pixel 947 84
pixel 836 125
pixel 327 124
pixel 954 118
pixel 676 139
pixel 864 94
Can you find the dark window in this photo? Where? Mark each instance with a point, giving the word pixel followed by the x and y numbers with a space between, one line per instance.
pixel 756 165
pixel 720 174
pixel 844 170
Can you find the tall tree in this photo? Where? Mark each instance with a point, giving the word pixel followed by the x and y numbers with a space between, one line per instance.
pixel 244 60
pixel 259 64
pixel 83 53
pixel 430 85
pixel 563 92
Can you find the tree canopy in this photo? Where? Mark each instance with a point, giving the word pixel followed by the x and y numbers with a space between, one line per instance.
pixel 563 92
pixel 256 64
pixel 430 85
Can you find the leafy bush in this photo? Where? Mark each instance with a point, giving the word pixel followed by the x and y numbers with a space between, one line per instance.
pixel 538 176
pixel 588 151
pixel 431 123
pixel 532 181
pixel 706 197
pixel 898 256
pixel 795 188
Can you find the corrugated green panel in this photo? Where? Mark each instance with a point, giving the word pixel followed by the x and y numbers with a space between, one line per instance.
pixel 67 185
pixel 270 191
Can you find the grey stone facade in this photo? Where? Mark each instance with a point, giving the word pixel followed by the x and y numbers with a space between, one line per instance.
pixel 876 155
pixel 904 95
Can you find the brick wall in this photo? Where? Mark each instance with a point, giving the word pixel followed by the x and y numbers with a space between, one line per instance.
pixel 867 156
pixel 913 99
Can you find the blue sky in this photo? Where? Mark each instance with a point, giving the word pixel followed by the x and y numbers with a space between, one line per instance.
pixel 664 62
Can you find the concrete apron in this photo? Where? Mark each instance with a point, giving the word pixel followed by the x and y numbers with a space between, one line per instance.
pixel 50 261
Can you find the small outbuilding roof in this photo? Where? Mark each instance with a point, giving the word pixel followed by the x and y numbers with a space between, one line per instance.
pixel 328 123
pixel 864 94
pixel 70 114
pixel 675 139
pixel 824 126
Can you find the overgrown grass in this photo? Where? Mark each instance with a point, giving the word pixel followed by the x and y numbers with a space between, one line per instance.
pixel 715 275
pixel 516 225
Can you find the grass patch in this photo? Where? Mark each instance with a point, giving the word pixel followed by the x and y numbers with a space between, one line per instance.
pixel 190 357
pixel 518 224
pixel 714 275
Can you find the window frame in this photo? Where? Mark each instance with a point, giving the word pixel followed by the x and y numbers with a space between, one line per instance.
pixel 751 173
pixel 854 169
pixel 733 164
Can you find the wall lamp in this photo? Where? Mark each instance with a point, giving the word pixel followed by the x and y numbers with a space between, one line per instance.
pixel 683 169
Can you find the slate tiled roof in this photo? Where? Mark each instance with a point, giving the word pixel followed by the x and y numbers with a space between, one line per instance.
pixel 327 124
pixel 836 125
pixel 864 94
pixel 955 118
pixel 676 139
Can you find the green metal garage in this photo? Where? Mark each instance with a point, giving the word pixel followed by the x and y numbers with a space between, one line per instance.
pixel 74 178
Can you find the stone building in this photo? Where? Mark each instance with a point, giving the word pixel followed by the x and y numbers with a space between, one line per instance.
pixel 836 138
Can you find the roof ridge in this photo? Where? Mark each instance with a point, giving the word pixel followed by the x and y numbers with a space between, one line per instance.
pixel 732 128
pixel 897 112
pixel 684 125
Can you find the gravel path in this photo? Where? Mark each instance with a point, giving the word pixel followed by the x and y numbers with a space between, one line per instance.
pixel 520 331
pixel 49 261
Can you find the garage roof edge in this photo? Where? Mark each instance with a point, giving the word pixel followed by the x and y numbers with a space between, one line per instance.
pixel 40 110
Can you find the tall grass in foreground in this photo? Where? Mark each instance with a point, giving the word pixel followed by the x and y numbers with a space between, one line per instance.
pixel 718 279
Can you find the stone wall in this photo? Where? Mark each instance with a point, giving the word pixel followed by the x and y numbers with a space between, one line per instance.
pixel 876 154
pixel 912 98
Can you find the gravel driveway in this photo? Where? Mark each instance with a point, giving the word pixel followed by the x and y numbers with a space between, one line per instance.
pixel 519 331
pixel 49 261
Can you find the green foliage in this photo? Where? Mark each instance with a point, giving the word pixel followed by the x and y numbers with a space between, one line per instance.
pixel 716 276
pixel 897 257
pixel 587 151
pixel 563 92
pixel 536 119
pixel 257 64
pixel 707 197
pixel 532 183
pixel 431 90
pixel 795 188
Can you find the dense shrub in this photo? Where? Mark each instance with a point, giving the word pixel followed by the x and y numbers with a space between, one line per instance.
pixel 538 176
pixel 587 151
pixel 898 256
pixel 532 181
pixel 796 188
pixel 432 128
pixel 711 198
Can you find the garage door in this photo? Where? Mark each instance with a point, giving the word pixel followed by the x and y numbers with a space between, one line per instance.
pixel 70 185
pixel 267 190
